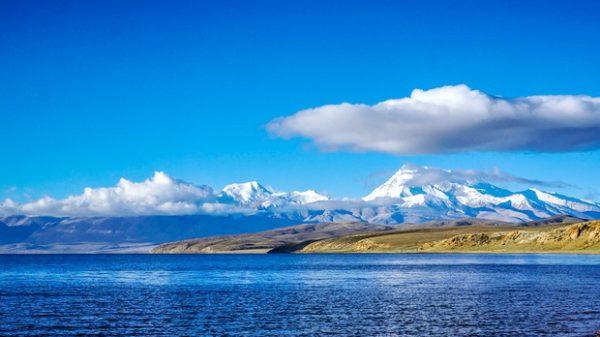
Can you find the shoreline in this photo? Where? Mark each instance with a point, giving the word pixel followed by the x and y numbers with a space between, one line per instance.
pixel 266 252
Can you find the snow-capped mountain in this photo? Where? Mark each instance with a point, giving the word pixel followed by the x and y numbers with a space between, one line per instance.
pixel 166 209
pixel 246 194
pixel 452 195
pixel 412 195
pixel 254 195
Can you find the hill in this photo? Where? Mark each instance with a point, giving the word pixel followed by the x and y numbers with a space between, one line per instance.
pixel 581 237
pixel 350 237
pixel 268 240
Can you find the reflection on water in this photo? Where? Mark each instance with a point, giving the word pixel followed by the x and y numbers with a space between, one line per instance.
pixel 300 295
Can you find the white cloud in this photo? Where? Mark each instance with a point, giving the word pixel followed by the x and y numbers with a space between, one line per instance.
pixel 160 194
pixel 451 119
pixel 157 195
pixel 8 207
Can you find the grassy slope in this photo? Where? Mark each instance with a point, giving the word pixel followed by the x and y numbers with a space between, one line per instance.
pixel 263 242
pixel 582 237
pixel 462 235
pixel 294 238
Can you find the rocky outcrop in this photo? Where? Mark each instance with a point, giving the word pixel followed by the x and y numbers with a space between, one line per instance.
pixel 578 237
pixel 333 245
pixel 466 236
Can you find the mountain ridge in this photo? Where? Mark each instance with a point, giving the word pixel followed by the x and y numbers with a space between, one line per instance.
pixel 349 237
pixel 463 194
pixel 414 195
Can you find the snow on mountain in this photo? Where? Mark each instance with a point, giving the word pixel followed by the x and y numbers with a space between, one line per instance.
pixel 449 195
pixel 413 194
pixel 565 202
pixel 304 197
pixel 163 209
pixel 253 194
pixel 247 193
pixel 396 186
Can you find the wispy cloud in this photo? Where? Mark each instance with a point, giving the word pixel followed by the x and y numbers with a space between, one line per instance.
pixel 451 119
pixel 433 175
pixel 496 175
pixel 375 178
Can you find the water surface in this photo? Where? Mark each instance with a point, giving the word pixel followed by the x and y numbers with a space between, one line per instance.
pixel 300 295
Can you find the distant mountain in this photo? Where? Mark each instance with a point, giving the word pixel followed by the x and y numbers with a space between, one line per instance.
pixel 268 240
pixel 476 199
pixel 413 195
pixel 246 194
pixel 347 236
pixel 254 195
pixel 35 232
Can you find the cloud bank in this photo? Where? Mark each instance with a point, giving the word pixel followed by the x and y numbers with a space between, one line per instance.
pixel 159 194
pixel 451 119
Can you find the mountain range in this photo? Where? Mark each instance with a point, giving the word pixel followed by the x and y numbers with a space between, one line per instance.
pixel 256 196
pixel 404 197
pixel 464 198
pixel 413 194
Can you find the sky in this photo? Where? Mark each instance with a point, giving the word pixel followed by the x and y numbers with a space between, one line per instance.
pixel 92 91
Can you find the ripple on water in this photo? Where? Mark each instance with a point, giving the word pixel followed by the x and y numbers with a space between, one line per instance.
pixel 300 295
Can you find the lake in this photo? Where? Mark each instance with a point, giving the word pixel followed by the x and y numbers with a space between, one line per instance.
pixel 300 295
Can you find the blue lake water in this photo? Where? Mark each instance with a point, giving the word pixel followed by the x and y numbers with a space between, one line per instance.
pixel 300 295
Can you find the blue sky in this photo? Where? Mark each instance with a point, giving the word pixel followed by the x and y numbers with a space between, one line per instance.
pixel 95 90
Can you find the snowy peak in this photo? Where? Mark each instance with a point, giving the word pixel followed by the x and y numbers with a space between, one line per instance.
pixel 562 201
pixel 253 194
pixel 399 185
pixel 306 197
pixel 412 194
pixel 247 193
pixel 446 192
